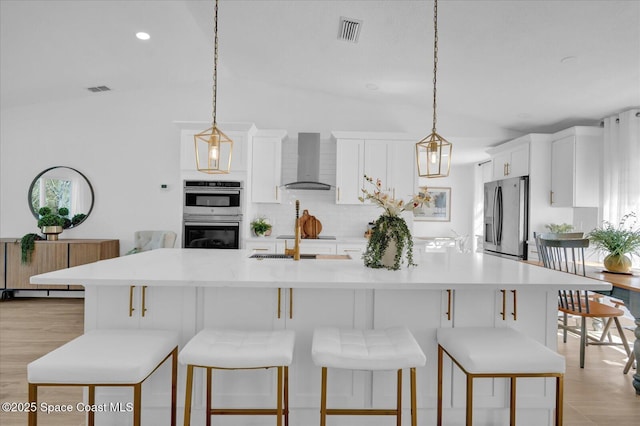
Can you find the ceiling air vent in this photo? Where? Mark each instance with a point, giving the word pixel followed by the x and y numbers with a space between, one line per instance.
pixel 349 29
pixel 98 89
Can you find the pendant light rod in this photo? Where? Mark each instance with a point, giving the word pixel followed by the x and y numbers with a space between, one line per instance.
pixel 215 65
pixel 433 153
pixel 435 60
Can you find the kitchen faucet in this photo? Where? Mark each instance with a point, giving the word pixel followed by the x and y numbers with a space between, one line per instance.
pixel 295 251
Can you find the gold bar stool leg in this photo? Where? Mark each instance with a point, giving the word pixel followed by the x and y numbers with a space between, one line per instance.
pixel 286 396
pixel 323 398
pixel 439 416
pixel 512 406
pixel 91 416
pixel 399 408
pixel 137 404
pixel 279 405
pixel 414 408
pixel 469 399
pixel 209 396
pixel 33 399
pixel 174 386
pixel 559 399
pixel 187 397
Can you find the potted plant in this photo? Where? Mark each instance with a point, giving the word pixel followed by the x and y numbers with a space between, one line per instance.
pixel 261 227
pixel 51 223
pixel 618 242
pixel 390 237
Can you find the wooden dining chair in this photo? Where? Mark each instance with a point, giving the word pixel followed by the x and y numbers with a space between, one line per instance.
pixel 567 255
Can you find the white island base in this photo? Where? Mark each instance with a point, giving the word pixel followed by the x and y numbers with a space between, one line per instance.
pixel 187 290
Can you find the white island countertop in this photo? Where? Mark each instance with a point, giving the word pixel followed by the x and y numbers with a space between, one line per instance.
pixel 234 268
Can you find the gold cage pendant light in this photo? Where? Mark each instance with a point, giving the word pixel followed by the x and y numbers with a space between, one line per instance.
pixel 433 153
pixel 214 149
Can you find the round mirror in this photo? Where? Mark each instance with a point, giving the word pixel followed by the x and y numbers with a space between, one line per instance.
pixel 62 188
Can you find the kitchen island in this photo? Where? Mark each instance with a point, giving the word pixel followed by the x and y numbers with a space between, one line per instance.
pixel 189 289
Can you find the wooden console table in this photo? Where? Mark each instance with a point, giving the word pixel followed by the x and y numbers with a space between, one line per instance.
pixel 49 256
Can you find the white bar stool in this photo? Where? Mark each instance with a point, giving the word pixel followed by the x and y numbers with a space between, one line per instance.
pixel 498 352
pixel 389 349
pixel 239 350
pixel 106 358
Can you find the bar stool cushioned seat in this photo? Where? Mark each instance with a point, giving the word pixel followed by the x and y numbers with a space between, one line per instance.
pixel 106 358
pixel 355 349
pixel 238 349
pixel 498 352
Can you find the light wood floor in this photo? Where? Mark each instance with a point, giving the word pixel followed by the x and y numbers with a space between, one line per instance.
pixel 599 394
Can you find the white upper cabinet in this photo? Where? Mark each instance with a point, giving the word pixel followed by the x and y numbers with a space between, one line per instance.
pixel 510 159
pixel 575 167
pixel 388 157
pixel 266 166
pixel 349 170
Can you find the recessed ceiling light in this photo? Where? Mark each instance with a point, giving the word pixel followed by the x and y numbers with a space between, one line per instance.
pixel 143 36
pixel 567 59
pixel 372 86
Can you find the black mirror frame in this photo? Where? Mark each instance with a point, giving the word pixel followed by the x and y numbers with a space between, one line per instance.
pixel 35 213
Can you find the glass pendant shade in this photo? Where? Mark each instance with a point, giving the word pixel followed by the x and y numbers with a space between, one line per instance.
pixel 213 151
pixel 433 154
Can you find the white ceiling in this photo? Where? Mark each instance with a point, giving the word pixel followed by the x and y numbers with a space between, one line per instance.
pixel 501 62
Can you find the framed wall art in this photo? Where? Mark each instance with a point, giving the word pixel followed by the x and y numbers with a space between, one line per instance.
pixel 438 208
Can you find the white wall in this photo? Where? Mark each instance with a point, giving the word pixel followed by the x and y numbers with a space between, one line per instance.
pixel 127 146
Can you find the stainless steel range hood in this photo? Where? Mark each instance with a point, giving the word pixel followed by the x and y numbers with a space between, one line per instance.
pixel 308 163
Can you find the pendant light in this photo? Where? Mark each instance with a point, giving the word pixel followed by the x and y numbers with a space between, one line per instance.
pixel 433 153
pixel 213 147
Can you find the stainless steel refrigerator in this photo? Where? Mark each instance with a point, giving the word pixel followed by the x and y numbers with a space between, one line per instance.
pixel 506 217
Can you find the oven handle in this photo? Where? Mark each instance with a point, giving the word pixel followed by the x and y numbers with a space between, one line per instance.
pixel 234 223
pixel 212 191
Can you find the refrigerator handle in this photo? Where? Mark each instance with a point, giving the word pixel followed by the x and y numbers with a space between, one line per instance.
pixel 500 218
pixel 494 235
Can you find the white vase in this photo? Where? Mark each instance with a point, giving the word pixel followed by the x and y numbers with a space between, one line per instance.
pixel 388 259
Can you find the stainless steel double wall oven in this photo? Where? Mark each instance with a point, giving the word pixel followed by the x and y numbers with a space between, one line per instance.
pixel 212 214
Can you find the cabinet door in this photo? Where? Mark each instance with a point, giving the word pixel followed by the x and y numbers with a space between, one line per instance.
pixel 519 162
pixel 499 165
pixel 352 249
pixel 375 161
pixel 401 174
pixel 425 311
pixel 261 247
pixel 324 308
pixel 47 256
pixel 307 247
pixel 562 172
pixel 349 171
pixel 267 170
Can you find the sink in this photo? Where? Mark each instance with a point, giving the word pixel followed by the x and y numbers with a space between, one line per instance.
pixel 261 256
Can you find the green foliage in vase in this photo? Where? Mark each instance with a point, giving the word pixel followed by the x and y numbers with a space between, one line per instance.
pixel 27 245
pixel 620 240
pixel 49 218
pixel 559 229
pixel 386 228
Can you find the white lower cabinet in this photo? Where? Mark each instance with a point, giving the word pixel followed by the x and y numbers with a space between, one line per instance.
pixel 423 312
pixel 260 247
pixel 169 308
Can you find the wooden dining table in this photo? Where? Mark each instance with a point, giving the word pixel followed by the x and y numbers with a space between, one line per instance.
pixel 626 287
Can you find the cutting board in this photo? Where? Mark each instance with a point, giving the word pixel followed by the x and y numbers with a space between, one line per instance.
pixel 310 227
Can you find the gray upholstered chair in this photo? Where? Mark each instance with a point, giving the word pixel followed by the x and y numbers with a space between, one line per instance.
pixel 150 240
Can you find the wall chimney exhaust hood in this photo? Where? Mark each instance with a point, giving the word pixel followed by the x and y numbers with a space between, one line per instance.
pixel 308 163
